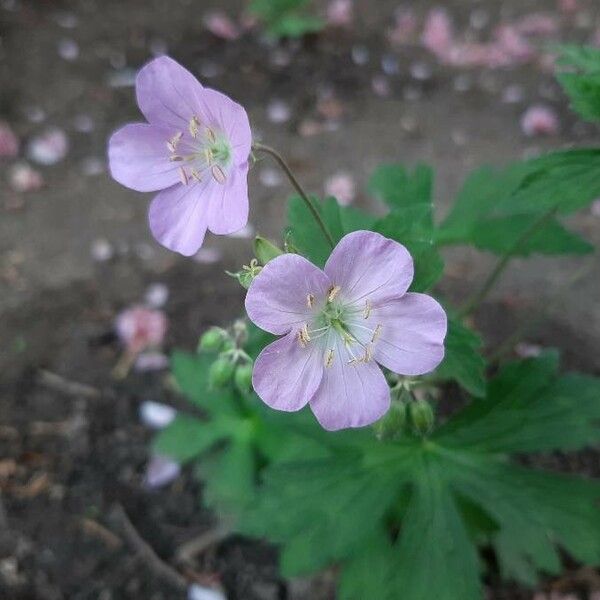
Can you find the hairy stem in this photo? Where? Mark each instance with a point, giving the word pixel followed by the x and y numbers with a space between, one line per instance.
pixel 288 172
pixel 480 295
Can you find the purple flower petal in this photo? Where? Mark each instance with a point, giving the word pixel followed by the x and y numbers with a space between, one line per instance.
pixel 167 93
pixel 232 119
pixel 286 375
pixel 179 219
pixel 367 265
pixel 350 395
pixel 228 203
pixel 413 329
pixel 277 300
pixel 139 158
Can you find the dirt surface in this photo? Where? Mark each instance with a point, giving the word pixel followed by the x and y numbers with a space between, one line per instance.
pixel 69 458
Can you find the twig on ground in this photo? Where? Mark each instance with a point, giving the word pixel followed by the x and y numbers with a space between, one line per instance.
pixel 145 552
pixel 70 388
pixel 95 529
pixel 192 548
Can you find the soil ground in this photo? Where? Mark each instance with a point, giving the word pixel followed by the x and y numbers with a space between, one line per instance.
pixel 75 455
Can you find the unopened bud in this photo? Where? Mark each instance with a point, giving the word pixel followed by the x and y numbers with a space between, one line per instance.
pixel 243 377
pixel 240 332
pixel 421 416
pixel 213 339
pixel 392 424
pixel 221 372
pixel 265 250
pixel 247 274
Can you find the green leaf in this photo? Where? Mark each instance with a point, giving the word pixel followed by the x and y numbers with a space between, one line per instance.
pixel 186 438
pixel 230 477
pixel 306 233
pixel 402 519
pixel 436 558
pixel 582 81
pixel 400 189
pixel 500 234
pixel 554 412
pixel 191 374
pixel 495 207
pixel 295 26
pixel 411 227
pixel 568 180
pixel 463 361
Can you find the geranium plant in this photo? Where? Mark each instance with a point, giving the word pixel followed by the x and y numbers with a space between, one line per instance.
pixel 319 429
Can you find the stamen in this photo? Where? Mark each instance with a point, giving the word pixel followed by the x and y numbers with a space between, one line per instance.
pixel 196 175
pixel 329 358
pixel 210 134
pixel 175 158
pixel 194 126
pixel 310 300
pixel 208 157
pixel 174 141
pixel 368 354
pixel 218 174
pixel 376 333
pixel 367 311
pixel 183 176
pixel 333 292
pixel 305 333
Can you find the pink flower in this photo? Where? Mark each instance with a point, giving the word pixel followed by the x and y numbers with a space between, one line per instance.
pixel 194 149
pixel 24 178
pixel 340 13
pixel 337 324
pixel 219 24
pixel 9 142
pixel 140 328
pixel 404 27
pixel 539 120
pixel 342 187
pixel 438 34
pixel 513 44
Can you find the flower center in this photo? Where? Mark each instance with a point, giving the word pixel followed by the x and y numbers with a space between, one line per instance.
pixel 201 152
pixel 337 321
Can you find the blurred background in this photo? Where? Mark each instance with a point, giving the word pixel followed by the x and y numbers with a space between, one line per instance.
pixel 454 84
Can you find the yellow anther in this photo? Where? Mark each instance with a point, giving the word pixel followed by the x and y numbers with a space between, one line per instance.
pixel 196 175
pixel 208 156
pixel 376 333
pixel 329 358
pixel 210 134
pixel 183 176
pixel 194 126
pixel 367 311
pixel 368 354
pixel 175 158
pixel 304 333
pixel 310 300
pixel 334 290
pixel 218 174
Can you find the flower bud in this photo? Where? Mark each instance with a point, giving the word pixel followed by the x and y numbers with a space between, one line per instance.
pixel 221 372
pixel 265 250
pixel 392 424
pixel 421 416
pixel 243 377
pixel 247 274
pixel 240 332
pixel 213 339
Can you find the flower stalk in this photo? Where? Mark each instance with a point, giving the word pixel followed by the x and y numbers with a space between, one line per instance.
pixel 258 147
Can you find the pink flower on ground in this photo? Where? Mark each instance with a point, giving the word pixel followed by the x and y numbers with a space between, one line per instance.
pixel 342 187
pixel 24 178
pixel 568 6
pixel 220 25
pixel 340 13
pixel 9 142
pixel 140 328
pixel 513 44
pixel 539 120
pixel 537 24
pixel 194 149
pixel 337 324
pixel 438 34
